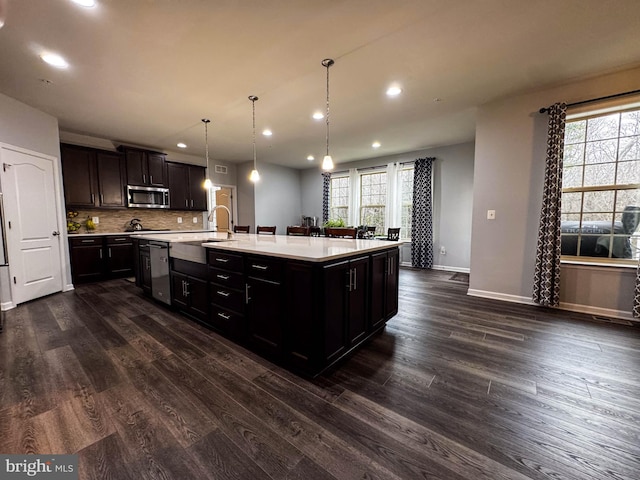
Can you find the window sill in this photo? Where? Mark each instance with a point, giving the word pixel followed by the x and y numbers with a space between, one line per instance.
pixel 599 264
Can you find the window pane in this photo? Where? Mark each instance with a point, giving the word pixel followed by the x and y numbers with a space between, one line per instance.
pixel 574 154
pixel 373 216
pixel 571 202
pixel 601 174
pixel 598 201
pixel 630 124
pixel 575 132
pixel 628 172
pixel 601 152
pixel 627 198
pixel 629 148
pixel 594 245
pixel 600 128
pixel 572 177
pixel 597 222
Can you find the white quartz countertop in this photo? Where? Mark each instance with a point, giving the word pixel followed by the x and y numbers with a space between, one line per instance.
pixel 138 233
pixel 171 237
pixel 310 249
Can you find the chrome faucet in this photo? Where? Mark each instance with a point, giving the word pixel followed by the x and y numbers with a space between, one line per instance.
pixel 210 218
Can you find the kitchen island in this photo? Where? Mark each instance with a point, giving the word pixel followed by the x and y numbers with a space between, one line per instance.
pixel 304 302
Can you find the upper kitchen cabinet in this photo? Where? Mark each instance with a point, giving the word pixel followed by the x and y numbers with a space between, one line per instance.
pixel 145 167
pixel 185 186
pixel 92 178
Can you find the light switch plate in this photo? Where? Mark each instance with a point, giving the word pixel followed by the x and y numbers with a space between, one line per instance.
pixel 96 220
pixel 195 219
pixel 179 219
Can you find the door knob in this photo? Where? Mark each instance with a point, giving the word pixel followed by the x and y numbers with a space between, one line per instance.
pixel 55 234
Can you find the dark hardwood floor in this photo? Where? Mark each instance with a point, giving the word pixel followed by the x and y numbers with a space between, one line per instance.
pixel 456 387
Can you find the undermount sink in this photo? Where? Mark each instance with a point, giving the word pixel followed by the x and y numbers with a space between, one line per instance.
pixel 192 250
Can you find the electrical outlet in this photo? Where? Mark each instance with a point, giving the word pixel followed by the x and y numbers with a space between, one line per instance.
pixel 491 214
pixel 96 220
pixel 179 219
pixel 195 219
pixel 443 251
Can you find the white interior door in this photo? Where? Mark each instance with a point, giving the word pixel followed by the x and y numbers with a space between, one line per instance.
pixel 31 224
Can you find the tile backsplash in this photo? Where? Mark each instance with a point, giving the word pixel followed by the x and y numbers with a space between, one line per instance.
pixel 112 221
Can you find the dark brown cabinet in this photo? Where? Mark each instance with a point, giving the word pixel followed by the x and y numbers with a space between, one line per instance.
pixel 384 287
pixel 142 264
pixel 145 167
pixel 92 178
pixel 189 288
pixel 345 305
pixel 227 293
pixel 186 191
pixel 101 257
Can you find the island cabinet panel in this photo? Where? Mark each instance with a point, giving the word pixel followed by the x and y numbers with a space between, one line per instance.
pixel 265 304
pixel 227 294
pixel 384 287
pixel 189 288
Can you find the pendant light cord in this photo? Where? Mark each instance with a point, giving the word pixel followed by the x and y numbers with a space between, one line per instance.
pixel 206 139
pixel 253 99
pixel 327 62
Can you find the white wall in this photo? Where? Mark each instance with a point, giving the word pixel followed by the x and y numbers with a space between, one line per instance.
pixel 246 196
pixel 508 177
pixel 278 197
pixel 26 127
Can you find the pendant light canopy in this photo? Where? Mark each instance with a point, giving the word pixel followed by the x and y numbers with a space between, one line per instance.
pixel 327 161
pixel 207 183
pixel 254 176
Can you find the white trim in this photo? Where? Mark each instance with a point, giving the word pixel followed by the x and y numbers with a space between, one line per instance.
pixel 598 311
pixel 68 287
pixel 7 306
pixel 451 269
pixel 505 297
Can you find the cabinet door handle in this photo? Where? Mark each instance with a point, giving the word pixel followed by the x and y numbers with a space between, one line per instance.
pixel 151 179
pixel 109 252
pixel 223 277
pixel 259 267
pixel 222 315
pixel 100 254
pixel 186 203
pixel 87 241
pixel 144 178
pixel 222 260
pixel 192 203
pixel 246 294
pixel 101 199
pixel 222 293
pixel 355 280
pixel 93 198
pixel 349 282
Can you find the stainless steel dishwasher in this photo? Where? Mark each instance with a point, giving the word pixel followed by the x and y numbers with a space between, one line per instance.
pixel 160 281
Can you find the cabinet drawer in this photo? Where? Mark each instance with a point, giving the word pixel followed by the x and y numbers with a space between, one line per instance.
pixel 116 239
pixel 227 321
pixel 226 261
pixel 84 241
pixel 265 268
pixel 227 298
pixel 226 278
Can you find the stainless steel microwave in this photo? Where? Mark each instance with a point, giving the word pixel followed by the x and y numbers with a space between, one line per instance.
pixel 147 197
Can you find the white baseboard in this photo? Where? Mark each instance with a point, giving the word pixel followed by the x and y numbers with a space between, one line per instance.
pixel 68 287
pixel 451 269
pixel 505 297
pixel 7 306
pixel 571 307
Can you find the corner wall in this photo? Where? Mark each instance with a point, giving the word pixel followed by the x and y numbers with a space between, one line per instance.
pixel 508 178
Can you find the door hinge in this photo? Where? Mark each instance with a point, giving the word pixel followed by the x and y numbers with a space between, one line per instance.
pixel 14 280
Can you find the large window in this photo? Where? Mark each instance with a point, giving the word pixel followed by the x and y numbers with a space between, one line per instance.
pixel 373 199
pixel 601 186
pixel 339 199
pixel 380 197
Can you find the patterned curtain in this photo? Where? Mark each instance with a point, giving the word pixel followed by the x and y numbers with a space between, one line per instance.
pixel 326 188
pixel 421 218
pixel 636 296
pixel 546 281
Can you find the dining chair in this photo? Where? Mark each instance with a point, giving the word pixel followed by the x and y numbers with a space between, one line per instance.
pixel 296 230
pixel 266 230
pixel 241 228
pixel 393 234
pixel 341 232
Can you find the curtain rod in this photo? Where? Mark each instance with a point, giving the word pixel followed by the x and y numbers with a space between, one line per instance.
pixel 616 95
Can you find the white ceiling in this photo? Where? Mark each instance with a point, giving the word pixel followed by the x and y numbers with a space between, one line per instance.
pixel 146 71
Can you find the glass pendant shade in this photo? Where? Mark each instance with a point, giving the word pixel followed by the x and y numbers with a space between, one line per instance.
pixel 327 163
pixel 254 176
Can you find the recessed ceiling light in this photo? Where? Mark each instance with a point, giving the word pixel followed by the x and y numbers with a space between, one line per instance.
pixel 375 144
pixel 85 3
pixel 267 133
pixel 318 115
pixel 311 158
pixel 182 145
pixel 54 60
pixel 394 91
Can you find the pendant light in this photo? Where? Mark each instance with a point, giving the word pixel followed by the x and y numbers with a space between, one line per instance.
pixel 327 161
pixel 207 183
pixel 254 176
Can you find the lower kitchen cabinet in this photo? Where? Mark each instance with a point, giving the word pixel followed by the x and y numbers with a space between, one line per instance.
pixel 143 272
pixel 189 288
pixel 101 257
pixel 384 287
